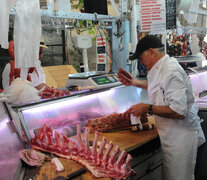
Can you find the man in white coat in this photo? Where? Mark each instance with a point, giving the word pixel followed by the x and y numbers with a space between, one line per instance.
pixel 37 77
pixel 172 104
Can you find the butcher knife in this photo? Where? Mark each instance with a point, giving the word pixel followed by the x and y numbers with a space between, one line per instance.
pixel 76 173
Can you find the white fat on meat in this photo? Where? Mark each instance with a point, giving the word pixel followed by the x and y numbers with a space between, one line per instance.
pixel 58 164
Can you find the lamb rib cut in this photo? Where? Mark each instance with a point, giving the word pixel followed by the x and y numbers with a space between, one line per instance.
pixel 101 162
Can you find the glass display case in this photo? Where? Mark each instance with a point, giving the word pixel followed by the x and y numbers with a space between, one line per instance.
pixel 63 114
pixel 10 145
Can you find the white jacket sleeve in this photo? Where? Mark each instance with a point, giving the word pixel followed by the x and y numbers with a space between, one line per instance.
pixel 5 76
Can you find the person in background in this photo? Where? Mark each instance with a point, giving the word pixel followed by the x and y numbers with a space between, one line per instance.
pixel 172 104
pixel 34 74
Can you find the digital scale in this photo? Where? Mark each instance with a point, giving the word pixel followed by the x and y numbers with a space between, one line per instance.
pixel 97 80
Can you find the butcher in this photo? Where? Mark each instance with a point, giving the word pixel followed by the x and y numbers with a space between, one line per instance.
pixel 172 104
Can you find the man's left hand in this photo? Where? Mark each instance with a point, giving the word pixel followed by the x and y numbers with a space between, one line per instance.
pixel 138 109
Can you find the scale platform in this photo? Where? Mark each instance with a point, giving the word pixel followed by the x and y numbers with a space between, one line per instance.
pixel 189 59
pixel 93 78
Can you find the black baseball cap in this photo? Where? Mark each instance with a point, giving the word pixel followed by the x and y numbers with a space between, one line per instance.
pixel 147 42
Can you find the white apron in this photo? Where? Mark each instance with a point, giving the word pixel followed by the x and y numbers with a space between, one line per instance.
pixel 179 138
pixel 179 144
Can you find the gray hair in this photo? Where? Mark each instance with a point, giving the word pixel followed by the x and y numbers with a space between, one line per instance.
pixel 161 49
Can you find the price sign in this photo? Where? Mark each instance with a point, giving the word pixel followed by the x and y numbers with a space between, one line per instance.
pixel 153 16
pixel 101 54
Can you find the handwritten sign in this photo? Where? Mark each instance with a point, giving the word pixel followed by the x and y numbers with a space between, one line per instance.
pixel 153 16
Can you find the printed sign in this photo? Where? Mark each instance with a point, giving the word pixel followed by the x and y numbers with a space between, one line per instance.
pixel 101 53
pixel 153 16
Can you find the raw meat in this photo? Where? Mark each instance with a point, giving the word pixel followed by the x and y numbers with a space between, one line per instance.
pixel 115 121
pixel 32 157
pixel 99 162
pixel 110 122
pixel 50 93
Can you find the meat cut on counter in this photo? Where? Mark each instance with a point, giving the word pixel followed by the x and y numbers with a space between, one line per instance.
pixel 50 93
pixel 103 162
pixel 110 122
pixel 115 121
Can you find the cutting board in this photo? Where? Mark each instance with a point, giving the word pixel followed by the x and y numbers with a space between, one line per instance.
pixel 129 140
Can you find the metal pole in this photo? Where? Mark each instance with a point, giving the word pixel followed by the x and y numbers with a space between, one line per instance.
pixel 63 44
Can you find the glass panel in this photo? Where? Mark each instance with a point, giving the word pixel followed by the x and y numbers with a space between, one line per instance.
pixel 65 114
pixel 10 146
pixel 120 99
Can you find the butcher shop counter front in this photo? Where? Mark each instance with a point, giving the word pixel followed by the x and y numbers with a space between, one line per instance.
pixel 63 114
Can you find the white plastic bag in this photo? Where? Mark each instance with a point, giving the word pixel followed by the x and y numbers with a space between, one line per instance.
pixel 21 92
pixel 5 8
pixel 27 33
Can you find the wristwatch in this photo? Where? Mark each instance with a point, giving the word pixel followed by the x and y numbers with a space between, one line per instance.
pixel 150 112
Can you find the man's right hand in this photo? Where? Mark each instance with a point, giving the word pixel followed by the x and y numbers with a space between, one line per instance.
pixel 128 80
pixel 125 77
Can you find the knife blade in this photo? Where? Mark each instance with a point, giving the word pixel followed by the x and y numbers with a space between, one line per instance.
pixel 76 173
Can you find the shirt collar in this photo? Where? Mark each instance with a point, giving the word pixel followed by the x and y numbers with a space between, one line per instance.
pixel 157 66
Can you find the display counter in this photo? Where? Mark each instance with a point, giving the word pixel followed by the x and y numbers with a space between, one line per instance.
pixel 10 145
pixel 63 114
pixel 199 84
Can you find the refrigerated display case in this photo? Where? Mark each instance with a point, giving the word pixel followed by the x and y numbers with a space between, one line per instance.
pixel 63 114
pixel 10 145
pixel 199 84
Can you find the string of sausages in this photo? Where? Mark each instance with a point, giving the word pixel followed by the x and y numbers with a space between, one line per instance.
pixel 15 72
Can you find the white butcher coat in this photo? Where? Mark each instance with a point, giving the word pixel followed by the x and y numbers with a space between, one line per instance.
pixel 169 85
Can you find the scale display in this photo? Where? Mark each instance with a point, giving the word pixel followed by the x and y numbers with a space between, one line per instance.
pixel 104 80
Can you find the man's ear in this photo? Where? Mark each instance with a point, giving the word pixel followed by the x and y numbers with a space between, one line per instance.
pixel 151 50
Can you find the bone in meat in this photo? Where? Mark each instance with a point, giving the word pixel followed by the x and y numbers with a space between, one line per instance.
pixel 101 165
pixel 94 151
pixel 113 157
pixel 79 137
pixel 86 145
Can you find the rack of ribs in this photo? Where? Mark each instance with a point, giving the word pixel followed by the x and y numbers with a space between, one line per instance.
pixel 101 163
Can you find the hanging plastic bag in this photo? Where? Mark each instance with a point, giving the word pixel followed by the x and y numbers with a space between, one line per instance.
pixel 5 8
pixel 60 5
pixel 27 33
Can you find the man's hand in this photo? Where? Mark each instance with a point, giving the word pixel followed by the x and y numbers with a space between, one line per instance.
pixel 139 109
pixel 128 80
pixel 125 77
